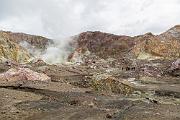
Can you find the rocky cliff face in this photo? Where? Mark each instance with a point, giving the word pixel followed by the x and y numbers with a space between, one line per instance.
pixel 101 45
pixel 104 45
pixel 37 41
pixel 164 46
pixel 148 46
pixel 11 50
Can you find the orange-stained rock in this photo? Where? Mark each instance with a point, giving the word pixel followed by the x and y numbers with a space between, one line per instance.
pixel 101 44
pixel 151 46
pixel 37 41
pixel 10 50
pixel 147 46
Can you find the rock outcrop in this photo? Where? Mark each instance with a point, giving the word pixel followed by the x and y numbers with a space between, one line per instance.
pixel 175 68
pixel 165 45
pixel 37 41
pixel 148 46
pixel 103 45
pixel 107 83
pixel 15 74
pixel 11 50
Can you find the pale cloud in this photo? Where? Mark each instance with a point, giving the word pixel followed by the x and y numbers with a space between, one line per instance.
pixel 61 18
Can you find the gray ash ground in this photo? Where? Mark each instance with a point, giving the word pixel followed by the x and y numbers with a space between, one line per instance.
pixel 72 94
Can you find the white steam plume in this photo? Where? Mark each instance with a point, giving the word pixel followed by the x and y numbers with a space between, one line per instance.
pixel 54 54
pixel 64 18
pixel 57 18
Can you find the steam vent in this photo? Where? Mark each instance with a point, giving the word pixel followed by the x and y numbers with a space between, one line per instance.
pixel 93 76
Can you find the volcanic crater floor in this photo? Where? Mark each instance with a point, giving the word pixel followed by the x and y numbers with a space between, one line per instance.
pixel 70 96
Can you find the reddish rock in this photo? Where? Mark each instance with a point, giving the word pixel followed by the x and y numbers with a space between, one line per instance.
pixel 23 74
pixel 103 45
pixel 148 46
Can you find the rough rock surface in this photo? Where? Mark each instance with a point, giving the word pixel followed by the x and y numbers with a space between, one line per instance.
pixel 15 74
pixel 11 50
pixel 148 46
pixel 175 68
pixel 103 45
pixel 37 41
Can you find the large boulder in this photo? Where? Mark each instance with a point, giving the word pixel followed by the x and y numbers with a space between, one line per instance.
pixel 16 74
pixel 108 84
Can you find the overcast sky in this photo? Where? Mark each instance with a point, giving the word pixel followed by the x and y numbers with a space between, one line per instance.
pixel 57 18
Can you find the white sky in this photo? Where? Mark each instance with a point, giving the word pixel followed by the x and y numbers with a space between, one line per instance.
pixel 62 18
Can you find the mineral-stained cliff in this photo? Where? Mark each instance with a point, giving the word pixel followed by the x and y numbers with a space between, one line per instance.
pixel 104 45
pixel 37 41
pixel 148 46
pixel 11 50
pixel 165 45
pixel 101 45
